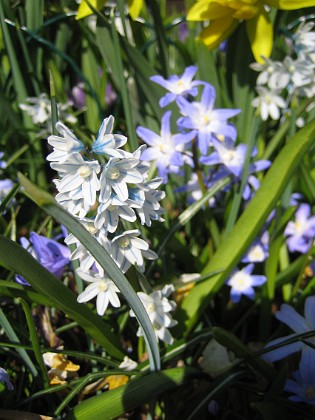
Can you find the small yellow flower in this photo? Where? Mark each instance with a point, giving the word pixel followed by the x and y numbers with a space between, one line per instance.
pixel 225 15
pixel 61 368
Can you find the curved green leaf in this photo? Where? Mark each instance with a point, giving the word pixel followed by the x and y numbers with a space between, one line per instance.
pixel 114 403
pixel 249 224
pixel 13 256
pixel 44 200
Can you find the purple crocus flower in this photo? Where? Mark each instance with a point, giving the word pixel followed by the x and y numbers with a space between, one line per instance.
pixel 301 233
pixel 303 385
pixel 166 149
pixel 242 282
pixel 178 85
pixel 49 253
pixel 4 377
pixel 208 122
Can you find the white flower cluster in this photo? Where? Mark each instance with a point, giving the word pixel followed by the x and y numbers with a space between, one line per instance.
pixel 294 76
pixel 104 195
pixel 39 109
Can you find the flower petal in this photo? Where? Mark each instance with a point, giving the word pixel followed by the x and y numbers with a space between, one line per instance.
pixel 260 34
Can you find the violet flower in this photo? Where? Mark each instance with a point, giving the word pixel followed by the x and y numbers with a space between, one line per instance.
pixel 165 148
pixel 258 251
pixel 301 233
pixel 4 377
pixel 50 254
pixel 208 122
pixel 298 324
pixel 2 162
pixel 303 384
pixel 178 85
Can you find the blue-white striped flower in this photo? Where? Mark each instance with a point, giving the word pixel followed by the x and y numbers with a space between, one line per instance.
pixel 101 287
pixel 127 250
pixel 108 213
pixel 79 176
pixel 116 176
pixel 65 145
pixel 108 143
pixel 158 307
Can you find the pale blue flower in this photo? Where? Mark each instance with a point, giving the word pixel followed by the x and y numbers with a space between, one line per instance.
pixel 178 85
pixel 242 282
pixel 4 377
pixel 205 120
pixel 2 162
pixel 49 253
pixel 108 143
pixel 78 177
pixel 101 287
pixel 165 149
pixel 65 145
pixel 298 324
pixel 303 384
pixel 301 233
pixel 108 213
pixel 259 250
pixel 116 175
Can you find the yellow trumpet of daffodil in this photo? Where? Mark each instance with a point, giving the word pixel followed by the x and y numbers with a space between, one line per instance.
pixel 225 15
pixel 84 9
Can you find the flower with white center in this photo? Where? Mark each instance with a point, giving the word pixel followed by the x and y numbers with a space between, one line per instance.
pixel 101 287
pixel 165 148
pixel 116 174
pixel 151 208
pixel 258 251
pixel 205 120
pixel 299 325
pixel 79 175
pixel 107 143
pixel 127 250
pixel 243 282
pixel 225 154
pixel 65 145
pixel 268 103
pixel 39 109
pixel 158 307
pixel 108 213
pixel 178 85
pixel 299 72
pixel 269 73
pixel 304 41
pixel 301 233
pixel 85 258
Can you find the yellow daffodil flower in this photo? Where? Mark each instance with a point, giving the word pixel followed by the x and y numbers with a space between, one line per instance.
pixel 225 15
pixel 84 10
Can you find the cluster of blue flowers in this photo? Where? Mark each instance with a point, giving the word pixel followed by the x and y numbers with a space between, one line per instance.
pixel 206 139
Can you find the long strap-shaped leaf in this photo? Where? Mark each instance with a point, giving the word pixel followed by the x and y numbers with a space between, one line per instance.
pixel 114 403
pixel 249 224
pixel 13 256
pixel 44 200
